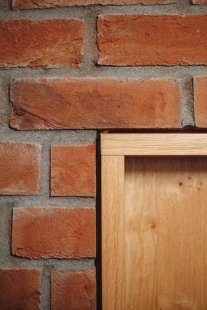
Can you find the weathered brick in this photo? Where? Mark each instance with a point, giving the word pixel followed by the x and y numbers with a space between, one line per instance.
pixel 95 103
pixel 73 170
pixel 74 290
pixel 43 43
pixel 19 289
pixel 1 104
pixel 200 101
pixel 29 4
pixel 20 168
pixel 55 233
pixel 152 40
pixel 199 1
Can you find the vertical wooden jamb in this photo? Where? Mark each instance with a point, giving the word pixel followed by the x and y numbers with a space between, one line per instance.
pixel 112 232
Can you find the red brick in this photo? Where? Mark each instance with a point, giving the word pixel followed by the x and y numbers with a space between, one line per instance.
pixel 95 103
pixel 1 105
pixel 54 233
pixel 200 101
pixel 19 289
pixel 152 40
pixel 73 170
pixel 20 168
pixel 74 290
pixel 47 43
pixel 199 1
pixel 29 4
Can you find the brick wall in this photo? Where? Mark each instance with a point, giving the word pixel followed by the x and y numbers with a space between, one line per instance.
pixel 70 69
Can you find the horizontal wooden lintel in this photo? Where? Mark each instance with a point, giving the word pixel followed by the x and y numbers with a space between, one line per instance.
pixel 145 144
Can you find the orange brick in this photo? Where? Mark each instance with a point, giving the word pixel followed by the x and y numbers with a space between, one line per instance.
pixel 95 103
pixel 74 290
pixel 200 98
pixel 152 40
pixel 47 43
pixel 19 289
pixel 73 170
pixel 1 106
pixel 54 233
pixel 20 168
pixel 199 1
pixel 29 4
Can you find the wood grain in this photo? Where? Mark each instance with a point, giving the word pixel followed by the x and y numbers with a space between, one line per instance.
pixel 113 220
pixel 154 233
pixel 165 234
pixel 154 144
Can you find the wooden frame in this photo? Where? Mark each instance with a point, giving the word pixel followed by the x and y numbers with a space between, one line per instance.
pixel 154 144
pixel 114 148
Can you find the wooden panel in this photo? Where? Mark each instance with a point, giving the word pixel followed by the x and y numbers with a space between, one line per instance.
pixel 163 262
pixel 113 220
pixel 154 144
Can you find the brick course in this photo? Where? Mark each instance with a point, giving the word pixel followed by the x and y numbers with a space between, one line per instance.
pixel 57 232
pixel 19 289
pixel 73 170
pixel 20 168
pixel 60 43
pixel 140 40
pixel 95 103
pixel 73 290
pixel 28 4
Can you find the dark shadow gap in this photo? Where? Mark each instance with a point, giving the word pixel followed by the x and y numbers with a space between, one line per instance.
pixel 98 223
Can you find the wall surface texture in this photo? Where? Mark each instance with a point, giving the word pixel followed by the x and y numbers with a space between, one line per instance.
pixel 70 69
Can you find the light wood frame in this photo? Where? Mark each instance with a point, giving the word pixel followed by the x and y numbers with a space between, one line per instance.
pixel 114 148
